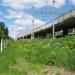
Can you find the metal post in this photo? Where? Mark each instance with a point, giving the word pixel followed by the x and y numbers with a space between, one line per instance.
pixel 53 16
pixel 1 45
pixel 26 31
pixel 32 34
pixel 4 43
pixel 23 36
pixel 17 36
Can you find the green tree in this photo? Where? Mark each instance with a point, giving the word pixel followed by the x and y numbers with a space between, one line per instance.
pixel 6 32
pixel 2 26
pixel 3 30
pixel 1 33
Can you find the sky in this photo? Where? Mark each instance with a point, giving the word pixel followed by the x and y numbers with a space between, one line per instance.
pixel 18 14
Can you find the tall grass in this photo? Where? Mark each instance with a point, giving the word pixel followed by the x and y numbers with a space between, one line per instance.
pixel 60 52
pixel 20 56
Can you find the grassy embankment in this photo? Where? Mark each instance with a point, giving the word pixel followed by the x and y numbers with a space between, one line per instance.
pixel 29 57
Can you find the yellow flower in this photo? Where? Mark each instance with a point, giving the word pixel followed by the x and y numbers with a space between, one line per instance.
pixel 46 46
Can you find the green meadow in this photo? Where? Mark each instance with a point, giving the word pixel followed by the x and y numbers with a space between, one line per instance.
pixel 35 57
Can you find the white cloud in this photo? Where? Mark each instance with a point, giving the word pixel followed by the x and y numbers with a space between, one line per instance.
pixel 72 1
pixel 58 3
pixel 20 29
pixel 21 4
pixel 14 14
pixel 38 23
pixel 22 21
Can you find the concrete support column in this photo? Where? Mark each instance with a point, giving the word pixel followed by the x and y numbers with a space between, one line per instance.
pixel 73 31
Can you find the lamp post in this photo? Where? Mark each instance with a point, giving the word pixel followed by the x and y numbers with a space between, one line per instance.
pixel 53 16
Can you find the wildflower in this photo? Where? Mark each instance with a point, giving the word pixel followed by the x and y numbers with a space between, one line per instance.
pixel 46 46
pixel 58 44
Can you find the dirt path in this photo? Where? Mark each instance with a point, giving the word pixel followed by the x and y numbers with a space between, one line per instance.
pixel 59 71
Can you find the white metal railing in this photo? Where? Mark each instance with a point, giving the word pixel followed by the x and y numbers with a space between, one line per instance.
pixel 3 44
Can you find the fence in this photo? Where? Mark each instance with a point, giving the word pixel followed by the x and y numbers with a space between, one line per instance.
pixel 3 44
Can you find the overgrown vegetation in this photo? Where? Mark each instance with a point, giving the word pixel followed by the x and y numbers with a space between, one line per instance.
pixel 30 56
pixel 52 52
pixel 3 30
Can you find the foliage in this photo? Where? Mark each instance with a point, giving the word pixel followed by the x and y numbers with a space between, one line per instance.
pixel 6 32
pixel 60 52
pixel 24 56
pixel 3 30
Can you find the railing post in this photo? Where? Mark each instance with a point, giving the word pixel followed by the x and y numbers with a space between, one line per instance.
pixel 1 45
pixel 4 43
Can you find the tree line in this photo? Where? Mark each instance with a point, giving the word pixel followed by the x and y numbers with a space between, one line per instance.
pixel 3 30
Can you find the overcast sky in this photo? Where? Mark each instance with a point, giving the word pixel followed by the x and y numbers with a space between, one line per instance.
pixel 17 14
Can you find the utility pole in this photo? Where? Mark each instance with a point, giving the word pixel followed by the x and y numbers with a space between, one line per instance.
pixel 32 34
pixel 53 16
pixel 23 37
pixel 26 31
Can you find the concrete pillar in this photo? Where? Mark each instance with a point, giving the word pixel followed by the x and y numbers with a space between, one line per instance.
pixel 73 31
